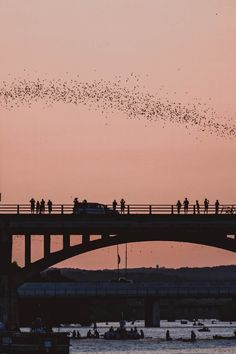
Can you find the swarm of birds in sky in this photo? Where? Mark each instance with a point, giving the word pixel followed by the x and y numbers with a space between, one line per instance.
pixel 116 96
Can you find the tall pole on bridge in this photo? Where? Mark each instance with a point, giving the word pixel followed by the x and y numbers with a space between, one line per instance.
pixel 118 262
pixel 126 261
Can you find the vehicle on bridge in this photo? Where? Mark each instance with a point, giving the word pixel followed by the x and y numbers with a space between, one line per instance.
pixel 94 209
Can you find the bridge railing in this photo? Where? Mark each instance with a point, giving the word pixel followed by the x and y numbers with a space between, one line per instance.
pixel 131 289
pixel 129 209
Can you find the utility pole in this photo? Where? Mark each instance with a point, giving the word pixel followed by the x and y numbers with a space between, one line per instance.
pixel 126 261
pixel 118 262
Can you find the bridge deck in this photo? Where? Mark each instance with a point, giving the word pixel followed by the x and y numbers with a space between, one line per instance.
pixel 211 225
pixel 210 230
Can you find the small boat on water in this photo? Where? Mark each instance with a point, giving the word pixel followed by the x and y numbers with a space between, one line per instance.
pixel 186 340
pixel 122 333
pixel 224 337
pixel 76 335
pixel 204 329
pixel 184 322
pixel 122 336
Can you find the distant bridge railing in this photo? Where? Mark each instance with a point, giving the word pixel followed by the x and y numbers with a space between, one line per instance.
pixel 142 289
pixel 129 209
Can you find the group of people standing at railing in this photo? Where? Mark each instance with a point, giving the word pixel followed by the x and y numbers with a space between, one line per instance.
pixel 122 205
pixel 39 207
pixel 196 206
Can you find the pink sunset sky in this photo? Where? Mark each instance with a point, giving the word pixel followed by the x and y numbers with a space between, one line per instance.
pixel 183 49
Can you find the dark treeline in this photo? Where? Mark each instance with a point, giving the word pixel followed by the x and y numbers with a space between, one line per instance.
pixel 219 273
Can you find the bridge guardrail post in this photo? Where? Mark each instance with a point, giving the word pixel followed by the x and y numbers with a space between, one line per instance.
pixel 18 209
pixel 150 209
pixel 172 209
pixel 128 209
pixel 62 209
pixel 194 209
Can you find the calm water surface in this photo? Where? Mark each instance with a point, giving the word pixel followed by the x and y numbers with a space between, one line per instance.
pixel 155 341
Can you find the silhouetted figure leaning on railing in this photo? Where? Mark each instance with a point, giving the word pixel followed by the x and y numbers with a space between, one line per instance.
pixel 114 205
pixel 49 206
pixel 42 206
pixel 32 205
pixel 75 206
pixel 179 205
pixel 122 206
pixel 186 204
pixel 84 206
pixel 206 206
pixel 217 205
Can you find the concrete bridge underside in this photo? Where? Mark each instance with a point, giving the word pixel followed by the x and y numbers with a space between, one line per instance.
pixel 210 230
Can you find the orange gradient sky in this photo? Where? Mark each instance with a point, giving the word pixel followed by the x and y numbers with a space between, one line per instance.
pixel 185 49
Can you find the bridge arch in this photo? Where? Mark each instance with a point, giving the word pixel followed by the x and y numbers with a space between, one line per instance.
pixel 103 242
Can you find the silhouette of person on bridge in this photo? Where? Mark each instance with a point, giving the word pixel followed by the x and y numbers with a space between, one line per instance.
pixel 32 205
pixel 206 205
pixel 186 204
pixel 114 204
pixel 179 205
pixel 122 206
pixel 37 207
pixel 76 206
pixel 42 206
pixel 217 205
pixel 198 207
pixel 84 205
pixel 49 206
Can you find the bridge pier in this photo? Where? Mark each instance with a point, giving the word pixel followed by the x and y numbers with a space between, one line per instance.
pixel 152 313
pixel 66 241
pixel 47 245
pixel 8 291
pixel 27 250
pixel 85 238
pixel 8 302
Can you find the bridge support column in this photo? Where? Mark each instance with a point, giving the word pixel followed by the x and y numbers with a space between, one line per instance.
pixel 152 313
pixel 85 238
pixel 8 291
pixel 66 241
pixel 8 302
pixel 27 249
pixel 47 245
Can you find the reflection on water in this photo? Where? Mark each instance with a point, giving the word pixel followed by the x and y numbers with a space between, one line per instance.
pixel 155 340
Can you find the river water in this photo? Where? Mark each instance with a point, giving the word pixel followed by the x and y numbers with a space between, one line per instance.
pixel 155 340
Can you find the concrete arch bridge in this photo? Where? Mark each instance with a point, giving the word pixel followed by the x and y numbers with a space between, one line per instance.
pixel 215 230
